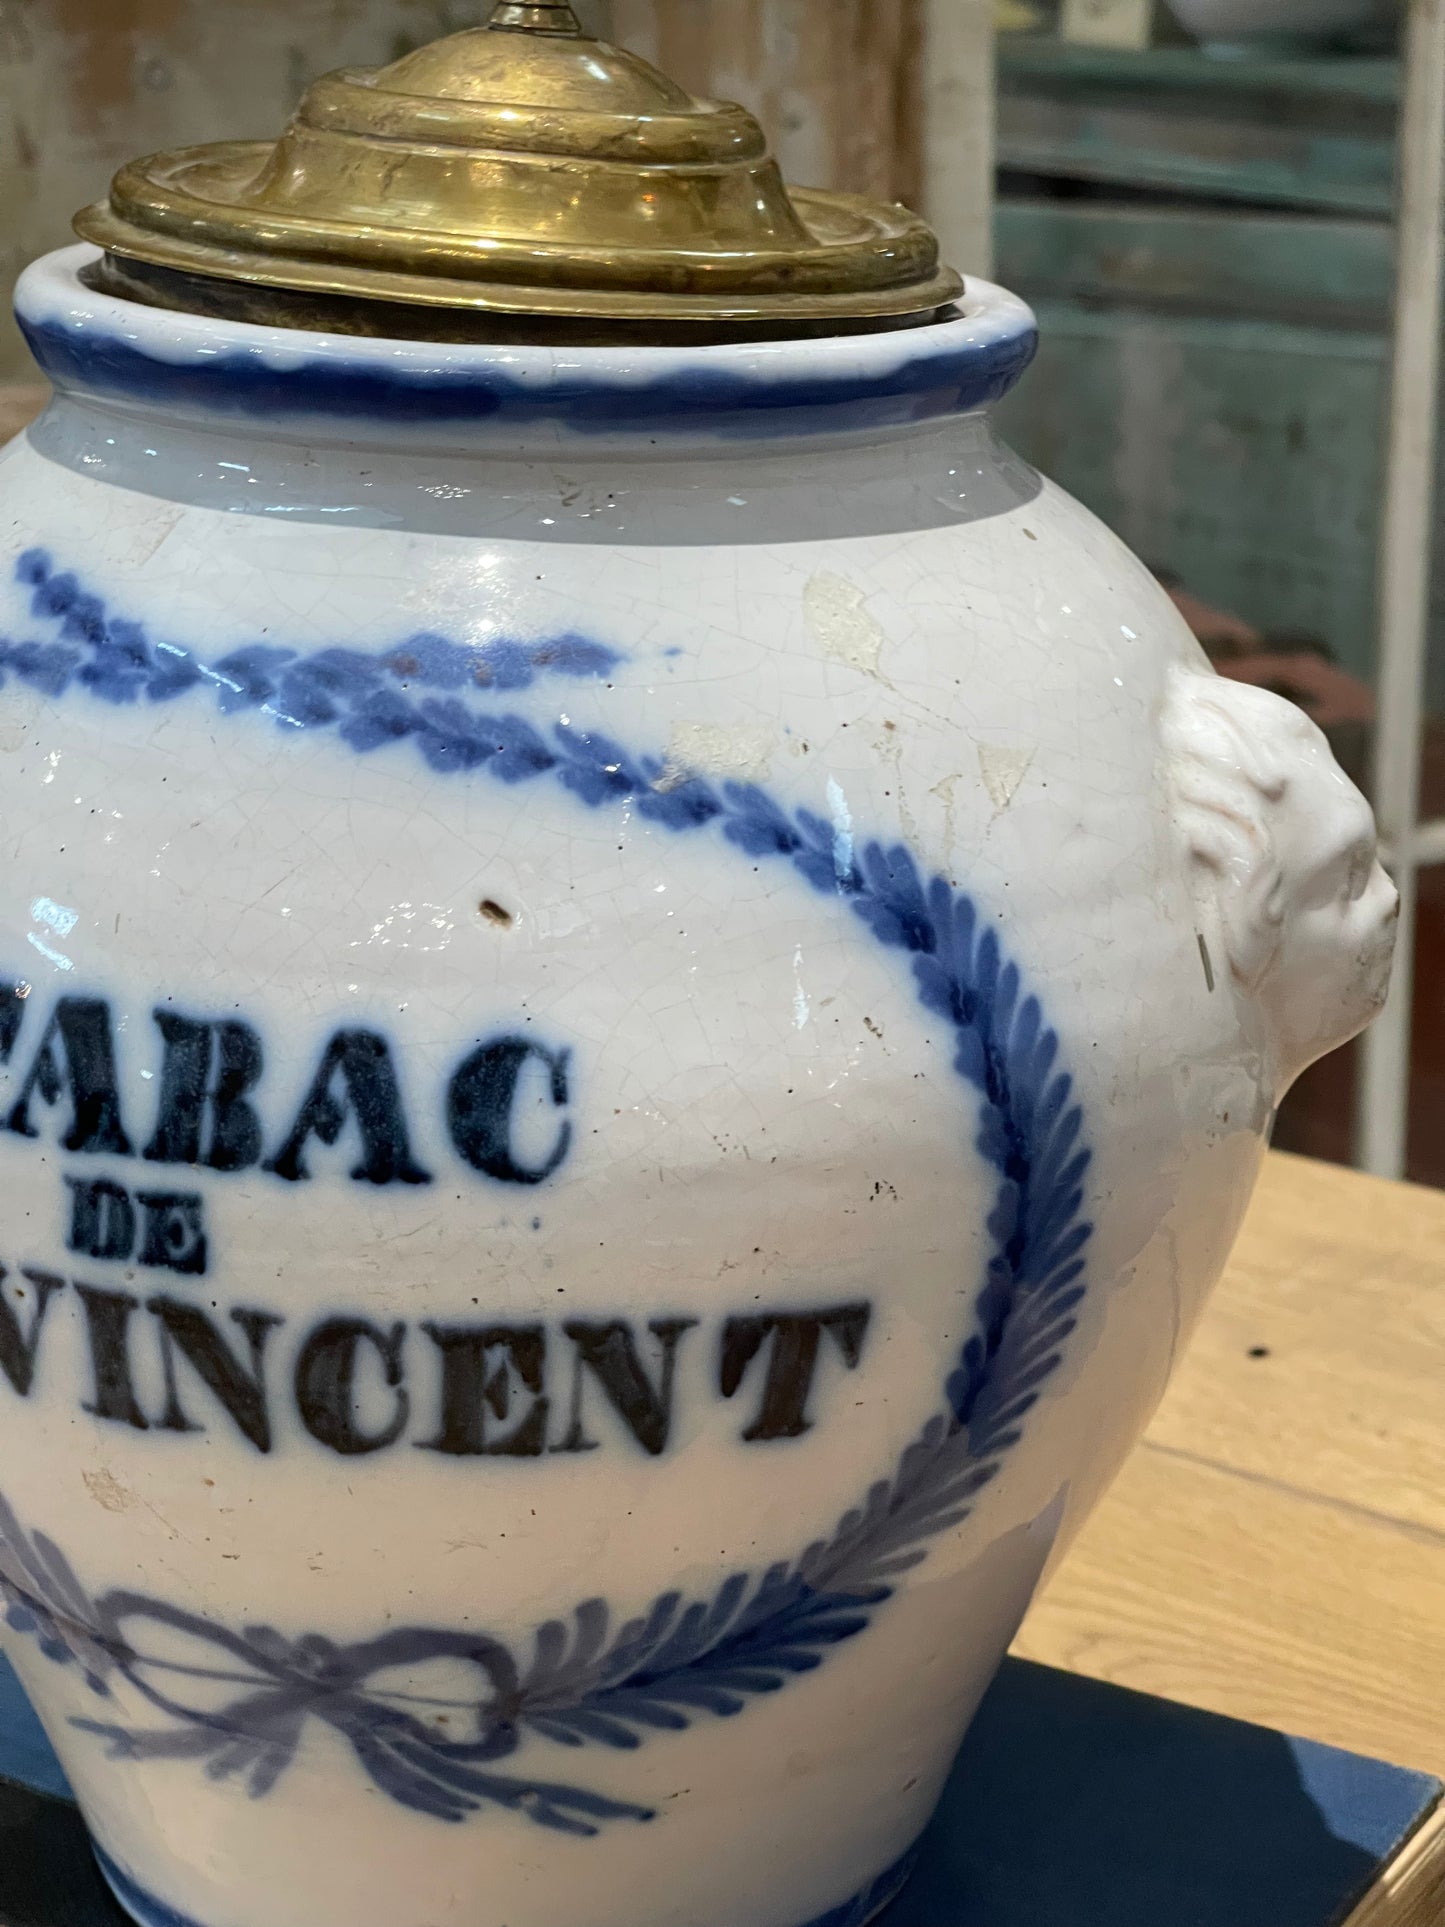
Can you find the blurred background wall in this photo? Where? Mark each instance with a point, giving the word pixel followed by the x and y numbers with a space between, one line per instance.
pixel 837 85
pixel 88 84
pixel 842 85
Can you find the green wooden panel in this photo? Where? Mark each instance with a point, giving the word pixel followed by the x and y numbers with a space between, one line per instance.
pixel 1213 379
pixel 1306 133
pixel 1320 271
pixel 1245 455
pixel 1366 82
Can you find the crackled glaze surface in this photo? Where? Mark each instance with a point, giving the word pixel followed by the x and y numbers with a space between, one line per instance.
pixel 639 995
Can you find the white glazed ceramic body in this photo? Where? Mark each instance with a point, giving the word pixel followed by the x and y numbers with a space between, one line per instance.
pixel 642 994
pixel 1244 20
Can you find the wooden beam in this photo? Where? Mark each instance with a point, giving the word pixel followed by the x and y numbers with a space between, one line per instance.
pixel 958 129
pixel 1406 556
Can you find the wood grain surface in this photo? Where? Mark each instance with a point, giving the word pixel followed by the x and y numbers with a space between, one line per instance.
pixel 20 403
pixel 1275 1549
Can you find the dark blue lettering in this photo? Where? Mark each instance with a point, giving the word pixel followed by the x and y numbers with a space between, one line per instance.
pixel 102 1219
pixel 108 1320
pixel 483 1368
pixel 242 1391
pixel 609 1352
pixel 17 1350
pixel 326 1384
pixel 175 1232
pixel 205 1117
pixel 360 1062
pixel 482 1102
pixel 80 1029
pixel 14 1000
pixel 793 1364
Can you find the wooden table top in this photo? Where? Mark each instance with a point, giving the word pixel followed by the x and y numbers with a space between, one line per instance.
pixel 20 403
pixel 1275 1549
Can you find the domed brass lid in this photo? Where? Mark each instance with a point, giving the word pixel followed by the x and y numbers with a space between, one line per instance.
pixel 523 168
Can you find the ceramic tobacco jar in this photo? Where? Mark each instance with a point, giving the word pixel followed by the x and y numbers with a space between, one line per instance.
pixel 641 986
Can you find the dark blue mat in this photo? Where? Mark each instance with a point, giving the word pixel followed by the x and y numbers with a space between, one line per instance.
pixel 1072 1805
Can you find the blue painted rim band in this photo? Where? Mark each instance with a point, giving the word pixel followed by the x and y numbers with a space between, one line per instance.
pixel 98 345
pixel 147 1911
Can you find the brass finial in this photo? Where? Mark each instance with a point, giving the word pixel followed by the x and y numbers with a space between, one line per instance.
pixel 541 16
pixel 518 169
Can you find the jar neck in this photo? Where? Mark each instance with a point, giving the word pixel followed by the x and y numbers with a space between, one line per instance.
pixel 939 475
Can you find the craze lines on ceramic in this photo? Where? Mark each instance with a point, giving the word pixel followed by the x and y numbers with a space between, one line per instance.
pixel 578 1682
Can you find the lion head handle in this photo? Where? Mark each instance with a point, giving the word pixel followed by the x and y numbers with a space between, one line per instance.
pixel 1282 849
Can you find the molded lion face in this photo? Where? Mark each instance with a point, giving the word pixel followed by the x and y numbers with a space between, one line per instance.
pixel 1284 855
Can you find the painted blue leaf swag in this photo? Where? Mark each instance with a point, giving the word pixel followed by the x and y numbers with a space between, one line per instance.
pixel 585 1680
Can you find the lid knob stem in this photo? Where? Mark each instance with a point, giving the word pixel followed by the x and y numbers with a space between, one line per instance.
pixel 536 16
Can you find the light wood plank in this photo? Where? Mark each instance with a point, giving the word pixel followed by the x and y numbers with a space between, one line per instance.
pixel 20 403
pixel 1276 1548
pixel 1342 1279
pixel 956 89
pixel 1226 1593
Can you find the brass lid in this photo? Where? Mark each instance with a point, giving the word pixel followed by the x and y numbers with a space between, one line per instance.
pixel 524 168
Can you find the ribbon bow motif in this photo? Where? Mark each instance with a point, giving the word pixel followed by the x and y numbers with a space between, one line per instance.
pixel 241 1701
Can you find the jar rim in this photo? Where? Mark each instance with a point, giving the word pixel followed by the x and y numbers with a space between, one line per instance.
pixel 102 346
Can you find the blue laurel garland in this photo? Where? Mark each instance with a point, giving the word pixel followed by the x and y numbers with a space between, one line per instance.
pixel 584 1682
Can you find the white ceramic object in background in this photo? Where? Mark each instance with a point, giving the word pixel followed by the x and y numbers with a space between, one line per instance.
pixel 1240 21
pixel 644 988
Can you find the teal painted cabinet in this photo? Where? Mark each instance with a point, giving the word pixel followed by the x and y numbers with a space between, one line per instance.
pixel 1210 250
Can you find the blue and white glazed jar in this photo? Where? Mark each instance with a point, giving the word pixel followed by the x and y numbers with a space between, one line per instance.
pixel 642 990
